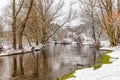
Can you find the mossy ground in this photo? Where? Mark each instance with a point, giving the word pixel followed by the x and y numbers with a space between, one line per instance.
pixel 103 60
pixel 68 75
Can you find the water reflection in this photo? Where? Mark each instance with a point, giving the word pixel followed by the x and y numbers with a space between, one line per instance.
pixel 14 66
pixel 18 68
pixel 50 63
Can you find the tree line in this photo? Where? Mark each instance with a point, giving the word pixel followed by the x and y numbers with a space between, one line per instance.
pixel 37 20
pixel 34 19
pixel 103 17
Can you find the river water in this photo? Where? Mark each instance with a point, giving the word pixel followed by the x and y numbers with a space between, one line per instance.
pixel 49 63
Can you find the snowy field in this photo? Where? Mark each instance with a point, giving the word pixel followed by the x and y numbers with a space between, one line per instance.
pixel 106 72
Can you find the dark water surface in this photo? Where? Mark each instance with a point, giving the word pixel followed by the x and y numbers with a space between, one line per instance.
pixel 49 64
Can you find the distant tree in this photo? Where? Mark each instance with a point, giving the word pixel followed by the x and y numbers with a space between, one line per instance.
pixel 88 15
pixel 1 30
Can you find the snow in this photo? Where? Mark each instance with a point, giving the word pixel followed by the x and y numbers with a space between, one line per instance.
pixel 27 48
pixel 86 38
pixel 64 41
pixel 85 42
pixel 105 43
pixel 67 40
pixel 7 47
pixel 74 42
pixel 38 47
pixel 10 52
pixel 106 72
pixel 110 48
pixel 7 50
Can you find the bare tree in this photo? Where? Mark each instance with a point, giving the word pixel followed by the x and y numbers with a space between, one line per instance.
pixel 23 24
pixel 14 25
pixel 88 16
pixel 46 13
pixel 109 20
pixel 15 14
pixel 33 19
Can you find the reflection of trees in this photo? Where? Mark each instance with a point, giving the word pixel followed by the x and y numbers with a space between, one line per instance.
pixel 14 66
pixel 55 49
pixel 44 62
pixel 40 66
pixel 36 65
pixel 94 54
pixel 31 66
pixel 17 68
pixel 21 65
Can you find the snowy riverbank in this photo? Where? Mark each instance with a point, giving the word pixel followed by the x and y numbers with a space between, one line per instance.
pixel 9 51
pixel 105 72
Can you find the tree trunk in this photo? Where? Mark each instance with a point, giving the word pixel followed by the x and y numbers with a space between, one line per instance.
pixel 110 26
pixel 118 10
pixel 92 24
pixel 20 36
pixel 23 25
pixel 93 34
pixel 37 43
pixel 43 36
pixel 14 26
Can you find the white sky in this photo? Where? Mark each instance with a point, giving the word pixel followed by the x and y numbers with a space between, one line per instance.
pixel 3 3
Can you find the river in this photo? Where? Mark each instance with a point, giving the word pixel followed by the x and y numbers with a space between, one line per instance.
pixel 49 63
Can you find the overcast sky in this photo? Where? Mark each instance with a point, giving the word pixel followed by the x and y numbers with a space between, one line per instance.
pixel 3 3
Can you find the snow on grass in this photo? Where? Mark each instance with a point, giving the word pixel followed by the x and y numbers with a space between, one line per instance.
pixel 105 72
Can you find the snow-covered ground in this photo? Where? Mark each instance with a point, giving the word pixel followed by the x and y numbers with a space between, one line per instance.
pixel 106 72
pixel 105 43
pixel 87 42
pixel 7 49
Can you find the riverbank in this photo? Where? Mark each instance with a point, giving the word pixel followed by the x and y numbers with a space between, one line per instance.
pixel 109 71
pixel 26 49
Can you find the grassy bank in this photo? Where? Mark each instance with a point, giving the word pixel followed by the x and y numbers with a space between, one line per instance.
pixel 102 60
pixel 68 75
